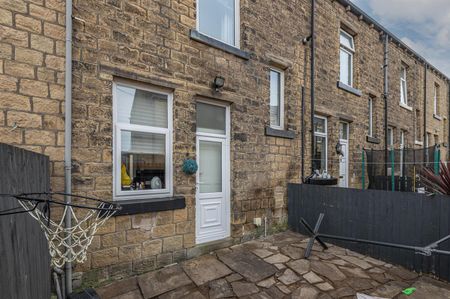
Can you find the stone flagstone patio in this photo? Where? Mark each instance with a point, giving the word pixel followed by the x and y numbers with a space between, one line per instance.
pixel 275 268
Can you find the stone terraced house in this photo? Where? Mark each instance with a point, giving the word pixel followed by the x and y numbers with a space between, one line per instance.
pixel 222 82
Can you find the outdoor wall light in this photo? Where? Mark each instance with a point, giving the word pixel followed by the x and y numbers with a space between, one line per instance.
pixel 219 82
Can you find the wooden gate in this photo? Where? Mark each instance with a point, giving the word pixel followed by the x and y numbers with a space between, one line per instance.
pixel 25 260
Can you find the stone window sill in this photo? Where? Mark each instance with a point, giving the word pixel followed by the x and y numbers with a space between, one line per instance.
pixel 437 117
pixel 349 89
pixel 406 106
pixel 280 133
pixel 139 206
pixel 202 38
pixel 418 142
pixel 371 139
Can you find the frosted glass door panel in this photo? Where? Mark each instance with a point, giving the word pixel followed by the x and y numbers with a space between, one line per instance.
pixel 210 172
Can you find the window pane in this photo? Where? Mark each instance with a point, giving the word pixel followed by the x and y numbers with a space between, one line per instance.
pixel 275 98
pixel 319 159
pixel 403 92
pixel 346 40
pixel 210 119
pixel 319 125
pixel 345 67
pixel 210 167
pixel 141 107
pixel 343 131
pixel 216 19
pixel 143 159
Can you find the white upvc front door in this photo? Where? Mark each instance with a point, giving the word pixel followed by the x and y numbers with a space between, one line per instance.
pixel 343 159
pixel 212 186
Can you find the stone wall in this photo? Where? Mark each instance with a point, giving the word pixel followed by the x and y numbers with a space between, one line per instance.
pixel 32 47
pixel 148 42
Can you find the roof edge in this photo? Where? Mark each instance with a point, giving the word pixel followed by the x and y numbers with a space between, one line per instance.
pixel 369 20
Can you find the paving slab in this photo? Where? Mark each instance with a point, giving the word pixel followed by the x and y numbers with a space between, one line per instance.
pixel 248 265
pixel 161 281
pixel 180 292
pixel 266 283
pixel 262 253
pixel 354 272
pixel 205 269
pixel 277 259
pixel 220 289
pixel 118 288
pixel 233 277
pixel 312 278
pixel 327 270
pixel 242 289
pixel 289 277
pixel 426 289
pixel 294 253
pixel 136 294
pixel 300 266
pixel 356 261
pixel 305 291
pixel 402 273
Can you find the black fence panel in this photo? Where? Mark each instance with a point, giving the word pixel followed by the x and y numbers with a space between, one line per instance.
pixel 397 217
pixel 25 259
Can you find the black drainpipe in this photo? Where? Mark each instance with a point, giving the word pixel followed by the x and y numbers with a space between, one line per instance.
pixel 448 121
pixel 425 154
pixel 385 95
pixel 303 135
pixel 313 65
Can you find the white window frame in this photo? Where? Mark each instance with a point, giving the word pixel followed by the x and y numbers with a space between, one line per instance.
pixel 436 101
pixel 370 117
pixel 325 135
pixel 417 136
pixel 237 25
pixel 391 137
pixel 350 51
pixel 281 126
pixel 118 194
pixel 404 79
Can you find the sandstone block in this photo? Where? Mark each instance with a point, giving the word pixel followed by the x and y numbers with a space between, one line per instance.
pixel 20 70
pixel 28 24
pixel 172 243
pixel 23 119
pixel 41 43
pixel 33 88
pixel 151 247
pixel 13 36
pixel 105 257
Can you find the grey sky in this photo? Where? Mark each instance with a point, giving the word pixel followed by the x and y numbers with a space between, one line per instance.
pixel 424 25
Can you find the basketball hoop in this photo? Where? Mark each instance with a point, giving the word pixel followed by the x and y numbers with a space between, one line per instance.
pixel 66 244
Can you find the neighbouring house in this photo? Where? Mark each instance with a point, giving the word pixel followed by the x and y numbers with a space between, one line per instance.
pixel 158 82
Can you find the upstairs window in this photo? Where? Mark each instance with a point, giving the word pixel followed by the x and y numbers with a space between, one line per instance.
pixel 276 99
pixel 403 86
pixel 219 19
pixel 417 128
pixel 436 99
pixel 347 49
pixel 142 142
pixel 371 117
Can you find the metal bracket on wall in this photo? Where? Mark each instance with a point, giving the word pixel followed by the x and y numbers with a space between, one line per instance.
pixel 315 235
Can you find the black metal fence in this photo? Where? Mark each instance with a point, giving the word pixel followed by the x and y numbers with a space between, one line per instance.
pixel 25 259
pixel 400 169
pixel 397 217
